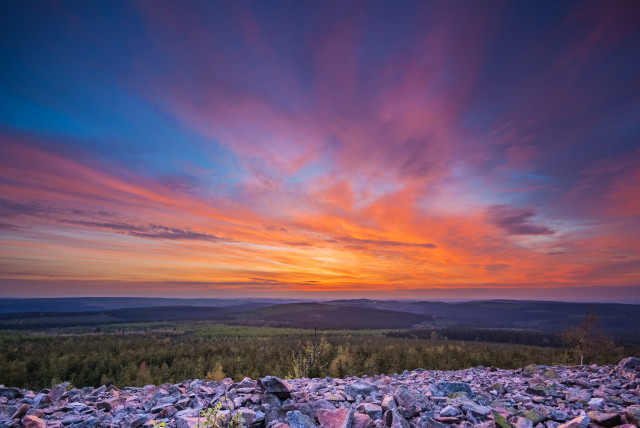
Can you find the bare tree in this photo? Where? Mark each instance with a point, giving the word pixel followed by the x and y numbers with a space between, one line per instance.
pixel 587 338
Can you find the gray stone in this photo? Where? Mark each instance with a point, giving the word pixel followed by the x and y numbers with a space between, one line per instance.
pixel 360 388
pixel 450 412
pixel 608 420
pixel 450 388
pixel 393 419
pixel 374 411
pixel 412 403
pixel 275 386
pixel 299 420
pixel 11 393
pixel 629 363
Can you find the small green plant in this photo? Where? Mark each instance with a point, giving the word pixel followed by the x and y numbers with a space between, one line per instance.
pixel 214 419
pixel 159 424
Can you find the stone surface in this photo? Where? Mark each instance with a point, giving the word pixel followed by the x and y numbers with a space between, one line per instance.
pixel 575 397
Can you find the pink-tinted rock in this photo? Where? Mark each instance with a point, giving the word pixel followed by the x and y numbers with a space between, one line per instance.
pixel 339 418
pixel 33 422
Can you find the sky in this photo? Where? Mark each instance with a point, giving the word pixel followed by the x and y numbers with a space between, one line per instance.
pixel 429 149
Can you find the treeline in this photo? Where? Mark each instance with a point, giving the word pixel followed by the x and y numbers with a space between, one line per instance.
pixel 156 357
pixel 522 337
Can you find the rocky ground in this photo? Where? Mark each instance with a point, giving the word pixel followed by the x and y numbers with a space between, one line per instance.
pixel 536 396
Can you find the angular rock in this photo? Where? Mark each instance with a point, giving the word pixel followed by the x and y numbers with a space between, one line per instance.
pixel 360 388
pixel 411 402
pixel 22 410
pixel 299 420
pixel 388 403
pixel 605 419
pixel 56 393
pixel 449 388
pixel 339 418
pixel 577 395
pixel 11 393
pixel 393 419
pixel 629 363
pixel 579 422
pixel 450 411
pixel 500 421
pixel 523 423
pixel 33 422
pixel 534 416
pixel 275 386
pixel 374 411
pixel 361 420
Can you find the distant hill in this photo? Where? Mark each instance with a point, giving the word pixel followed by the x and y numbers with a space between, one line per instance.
pixel 86 304
pixel 620 321
pixel 617 319
pixel 327 316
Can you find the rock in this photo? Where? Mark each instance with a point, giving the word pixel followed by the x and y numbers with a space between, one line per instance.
pixel 33 422
pixel 542 390
pixel 523 423
pixel 629 364
pixel 361 420
pixel 56 393
pixel 247 415
pixel 555 414
pixel 275 386
pixel 339 418
pixel 411 402
pixel 471 406
pixel 299 420
pixel 500 421
pixel 596 403
pixel 187 422
pixel 103 405
pixel 577 395
pixel 448 388
pixel 388 403
pixel 632 414
pixel 374 411
pixel 22 410
pixel 138 420
pixel 605 419
pixel 360 388
pixel 450 411
pixel 393 419
pixel 534 416
pixel 427 422
pixel 11 393
pixel 579 422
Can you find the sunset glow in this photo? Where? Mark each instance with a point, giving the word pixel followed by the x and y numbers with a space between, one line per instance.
pixel 299 149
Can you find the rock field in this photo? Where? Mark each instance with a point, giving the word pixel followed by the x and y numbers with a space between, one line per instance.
pixel 535 396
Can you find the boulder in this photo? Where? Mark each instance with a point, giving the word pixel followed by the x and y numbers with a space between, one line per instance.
pixel 299 420
pixel 338 418
pixel 412 402
pixel 33 422
pixel 275 386
pixel 608 420
pixel 629 364
pixel 579 422
pixel 450 388
pixel 360 388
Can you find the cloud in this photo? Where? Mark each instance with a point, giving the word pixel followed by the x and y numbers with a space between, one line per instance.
pixel 381 243
pixel 516 221
pixel 149 231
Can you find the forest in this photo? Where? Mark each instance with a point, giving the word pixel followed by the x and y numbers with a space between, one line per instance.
pixel 140 354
